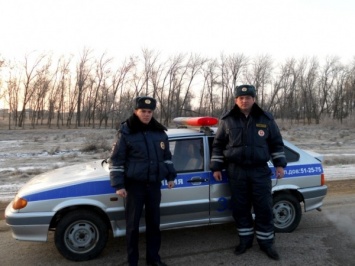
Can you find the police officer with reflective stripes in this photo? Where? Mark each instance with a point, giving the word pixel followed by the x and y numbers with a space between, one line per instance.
pixel 246 139
pixel 139 161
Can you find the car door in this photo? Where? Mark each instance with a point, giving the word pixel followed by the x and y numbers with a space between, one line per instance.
pixel 188 202
pixel 220 209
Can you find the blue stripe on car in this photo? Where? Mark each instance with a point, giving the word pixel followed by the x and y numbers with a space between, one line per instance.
pixel 103 187
pixel 83 189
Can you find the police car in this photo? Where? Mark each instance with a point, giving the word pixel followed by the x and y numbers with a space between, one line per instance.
pixel 78 203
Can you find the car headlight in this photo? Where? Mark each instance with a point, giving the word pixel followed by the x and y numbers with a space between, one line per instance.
pixel 19 203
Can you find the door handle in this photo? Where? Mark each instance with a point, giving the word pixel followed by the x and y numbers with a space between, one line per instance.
pixel 197 180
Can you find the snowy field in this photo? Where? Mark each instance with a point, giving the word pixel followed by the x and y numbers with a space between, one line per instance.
pixel 25 153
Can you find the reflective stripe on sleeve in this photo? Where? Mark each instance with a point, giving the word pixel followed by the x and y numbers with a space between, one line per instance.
pixel 278 155
pixel 116 169
pixel 217 158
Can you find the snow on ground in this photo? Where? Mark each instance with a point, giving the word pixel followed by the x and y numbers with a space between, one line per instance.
pixel 339 172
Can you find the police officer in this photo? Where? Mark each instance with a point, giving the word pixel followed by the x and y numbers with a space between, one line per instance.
pixel 246 139
pixel 139 161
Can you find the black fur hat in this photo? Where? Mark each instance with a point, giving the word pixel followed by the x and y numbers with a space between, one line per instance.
pixel 145 102
pixel 244 90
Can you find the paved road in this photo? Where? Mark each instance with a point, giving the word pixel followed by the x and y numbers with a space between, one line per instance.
pixel 322 238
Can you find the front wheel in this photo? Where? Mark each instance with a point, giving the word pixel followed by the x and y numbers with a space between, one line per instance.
pixel 81 235
pixel 287 213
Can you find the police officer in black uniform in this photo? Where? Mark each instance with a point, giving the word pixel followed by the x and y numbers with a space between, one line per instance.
pixel 140 160
pixel 246 139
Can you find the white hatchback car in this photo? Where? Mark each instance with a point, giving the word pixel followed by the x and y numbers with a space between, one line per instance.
pixel 78 203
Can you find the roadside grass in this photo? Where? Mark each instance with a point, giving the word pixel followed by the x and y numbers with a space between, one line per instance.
pixel 95 143
pixel 339 160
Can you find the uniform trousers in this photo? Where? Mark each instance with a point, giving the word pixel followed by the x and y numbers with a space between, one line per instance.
pixel 251 188
pixel 139 195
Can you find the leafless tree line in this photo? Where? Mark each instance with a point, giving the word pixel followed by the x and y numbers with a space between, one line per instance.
pixel 92 92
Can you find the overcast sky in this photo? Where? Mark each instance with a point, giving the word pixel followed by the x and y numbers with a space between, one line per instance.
pixel 279 28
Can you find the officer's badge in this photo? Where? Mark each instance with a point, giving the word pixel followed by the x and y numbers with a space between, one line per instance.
pixel 244 89
pixel 147 101
pixel 162 145
pixel 261 133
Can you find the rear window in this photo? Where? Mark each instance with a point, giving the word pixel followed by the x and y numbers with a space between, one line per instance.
pixel 291 155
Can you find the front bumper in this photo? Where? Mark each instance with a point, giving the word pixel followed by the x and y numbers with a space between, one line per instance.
pixel 28 226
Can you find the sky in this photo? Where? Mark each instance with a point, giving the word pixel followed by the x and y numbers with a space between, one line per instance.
pixel 279 28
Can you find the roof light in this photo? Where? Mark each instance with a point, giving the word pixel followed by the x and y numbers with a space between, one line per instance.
pixel 203 121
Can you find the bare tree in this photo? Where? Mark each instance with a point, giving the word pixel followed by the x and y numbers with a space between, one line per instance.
pixel 119 108
pixel 232 68
pixel 193 67
pixel 28 86
pixel 158 79
pixel 138 80
pixel 72 102
pixel 59 91
pixel 211 82
pixel 82 75
pixel 12 95
pixel 176 95
pixel 102 73
pixel 150 59
pixel 308 84
pixel 294 90
pixel 167 79
pixel 284 90
pixel 349 93
pixel 2 93
pixel 103 104
pixel 260 75
pixel 177 73
pixel 40 89
pixel 338 101
pixel 325 86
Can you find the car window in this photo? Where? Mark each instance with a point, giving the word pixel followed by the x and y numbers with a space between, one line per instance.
pixel 291 155
pixel 187 154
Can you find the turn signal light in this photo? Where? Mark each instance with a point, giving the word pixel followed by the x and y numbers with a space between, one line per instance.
pixel 19 203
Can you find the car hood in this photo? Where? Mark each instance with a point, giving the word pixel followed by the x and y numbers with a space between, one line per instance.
pixel 66 176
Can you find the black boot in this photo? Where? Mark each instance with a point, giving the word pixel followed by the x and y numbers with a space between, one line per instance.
pixel 271 252
pixel 241 248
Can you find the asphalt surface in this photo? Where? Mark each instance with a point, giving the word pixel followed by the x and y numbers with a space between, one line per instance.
pixel 322 238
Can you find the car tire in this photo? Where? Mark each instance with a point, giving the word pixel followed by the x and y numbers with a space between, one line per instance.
pixel 81 235
pixel 287 213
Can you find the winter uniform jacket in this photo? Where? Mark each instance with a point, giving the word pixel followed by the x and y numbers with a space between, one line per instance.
pixel 247 142
pixel 141 154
